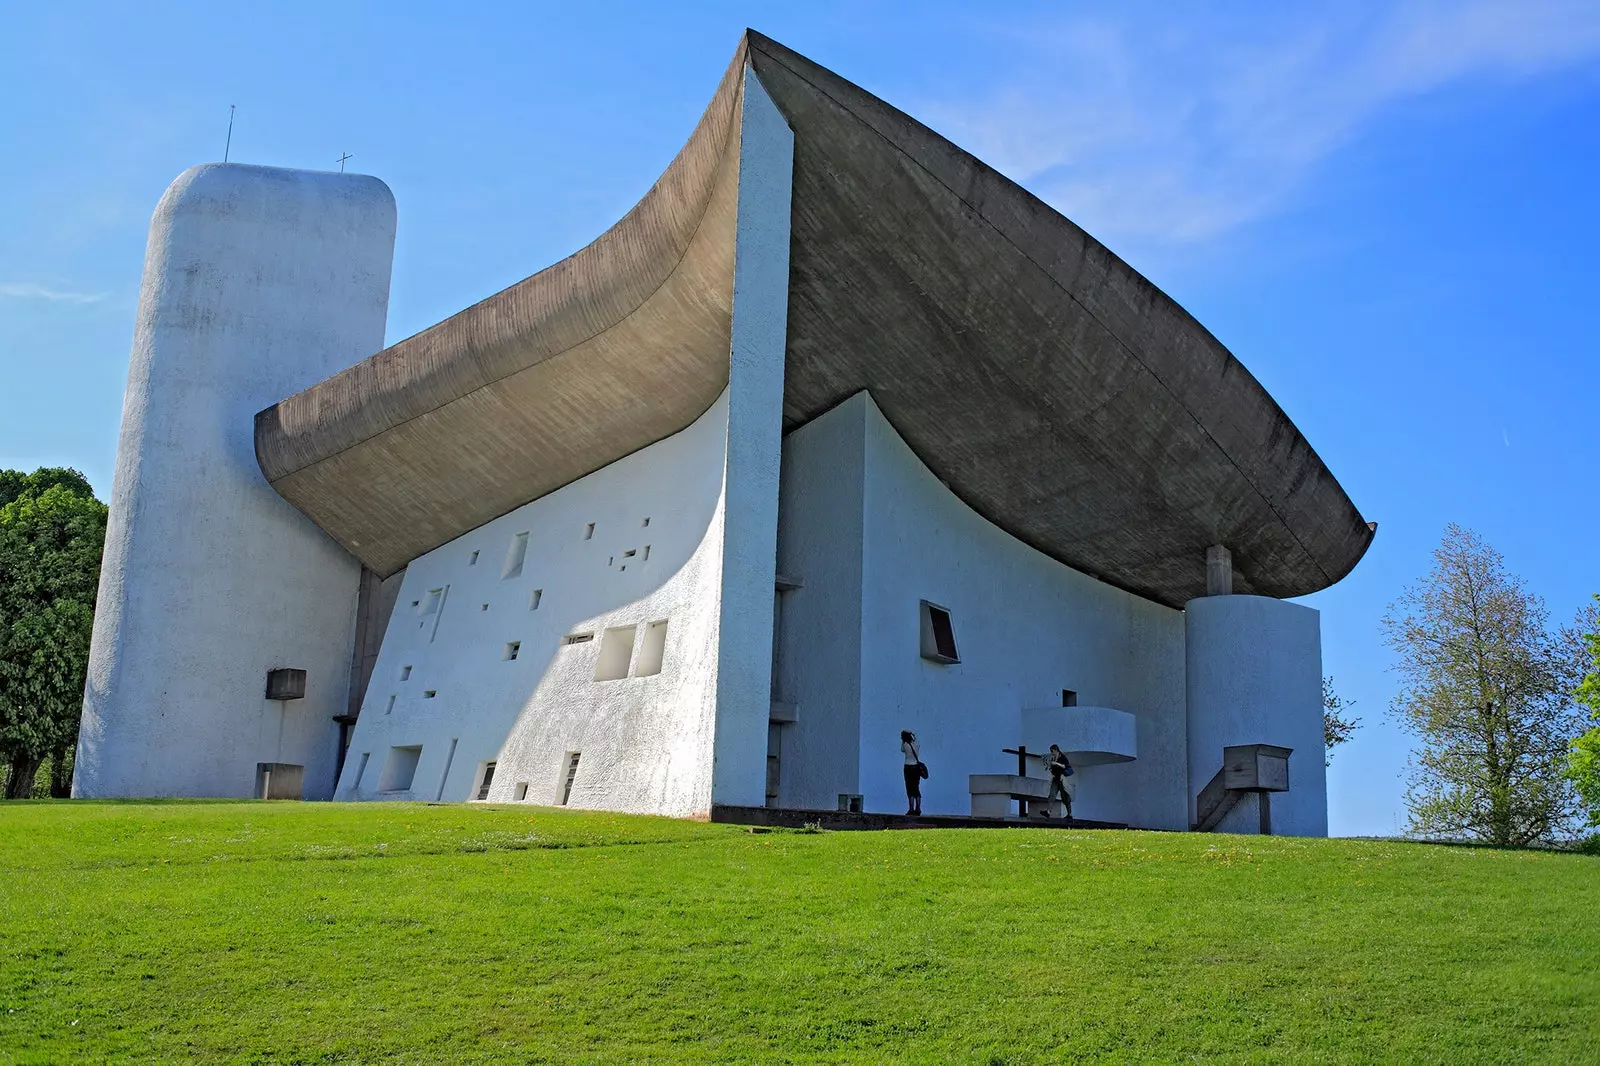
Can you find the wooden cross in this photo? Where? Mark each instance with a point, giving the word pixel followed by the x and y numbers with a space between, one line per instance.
pixel 342 158
pixel 1021 752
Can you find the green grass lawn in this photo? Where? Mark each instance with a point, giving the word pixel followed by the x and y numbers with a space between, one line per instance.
pixel 323 933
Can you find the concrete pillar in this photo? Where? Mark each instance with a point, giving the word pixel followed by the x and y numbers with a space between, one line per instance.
pixel 1219 571
pixel 1254 676
pixel 258 282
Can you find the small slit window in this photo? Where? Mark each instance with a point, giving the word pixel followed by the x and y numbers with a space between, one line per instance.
pixel 429 693
pixel 389 707
pixel 485 779
pixel 533 601
pixel 472 560
pixel 515 555
pixel 938 635
pixel 588 531
pixel 405 672
pixel 570 776
pixel 578 638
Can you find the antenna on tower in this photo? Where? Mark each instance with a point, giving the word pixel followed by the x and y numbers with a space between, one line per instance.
pixel 229 146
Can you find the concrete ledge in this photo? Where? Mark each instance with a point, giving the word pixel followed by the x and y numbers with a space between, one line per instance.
pixel 794 818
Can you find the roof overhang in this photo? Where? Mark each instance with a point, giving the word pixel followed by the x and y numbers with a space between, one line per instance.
pixel 1049 385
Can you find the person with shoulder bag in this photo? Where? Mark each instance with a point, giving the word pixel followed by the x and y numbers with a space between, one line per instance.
pixel 915 771
pixel 1060 770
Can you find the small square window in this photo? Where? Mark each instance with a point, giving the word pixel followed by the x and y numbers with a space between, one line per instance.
pixel 483 607
pixel 512 649
pixel 646 524
pixel 1069 698
pixel 938 635
pixel 520 793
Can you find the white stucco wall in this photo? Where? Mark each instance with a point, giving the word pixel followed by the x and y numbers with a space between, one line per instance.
pixel 755 430
pixel 258 282
pixel 1026 627
pixel 645 741
pixel 1255 677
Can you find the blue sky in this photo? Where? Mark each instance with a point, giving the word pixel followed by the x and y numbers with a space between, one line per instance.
pixel 1387 211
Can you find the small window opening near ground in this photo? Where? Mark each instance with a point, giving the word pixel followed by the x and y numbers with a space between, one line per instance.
pixel 513 648
pixel 588 531
pixel 938 635
pixel 571 776
pixel 520 793
pixel 429 693
pixel 485 779
pixel 578 638
pixel 533 601
pixel 473 560
pixel 616 652
pixel 515 556
pixel 405 672
pixel 1069 698
pixel 400 768
pixel 653 649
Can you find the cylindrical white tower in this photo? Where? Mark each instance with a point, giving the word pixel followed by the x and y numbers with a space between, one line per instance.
pixel 1255 677
pixel 258 282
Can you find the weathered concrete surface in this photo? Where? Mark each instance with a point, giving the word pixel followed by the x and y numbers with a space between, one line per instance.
pixel 1055 390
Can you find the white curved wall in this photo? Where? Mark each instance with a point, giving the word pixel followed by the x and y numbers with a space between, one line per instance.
pixel 646 742
pixel 1026 627
pixel 1254 667
pixel 258 282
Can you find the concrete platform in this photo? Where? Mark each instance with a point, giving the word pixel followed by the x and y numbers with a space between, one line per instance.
pixel 795 818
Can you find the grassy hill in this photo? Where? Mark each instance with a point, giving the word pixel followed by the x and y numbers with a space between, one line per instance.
pixel 323 933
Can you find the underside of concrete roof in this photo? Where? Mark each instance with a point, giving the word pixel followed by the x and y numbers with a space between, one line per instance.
pixel 1049 385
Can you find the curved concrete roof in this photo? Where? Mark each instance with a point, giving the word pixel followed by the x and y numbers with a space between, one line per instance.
pixel 1054 389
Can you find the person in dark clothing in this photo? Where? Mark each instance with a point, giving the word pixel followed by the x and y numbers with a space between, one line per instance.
pixel 1060 769
pixel 914 771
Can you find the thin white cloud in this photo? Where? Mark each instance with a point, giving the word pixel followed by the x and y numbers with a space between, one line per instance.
pixel 1179 129
pixel 27 290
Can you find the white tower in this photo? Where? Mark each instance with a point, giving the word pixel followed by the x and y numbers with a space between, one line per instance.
pixel 258 282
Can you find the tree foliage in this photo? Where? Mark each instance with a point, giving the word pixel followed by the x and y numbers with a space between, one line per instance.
pixel 52 530
pixel 1583 766
pixel 1488 693
pixel 1337 725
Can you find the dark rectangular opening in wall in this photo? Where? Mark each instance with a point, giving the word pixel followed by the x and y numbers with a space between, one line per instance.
pixel 513 648
pixel 938 635
pixel 571 775
pixel 577 638
pixel 533 601
pixel 485 779
pixel 429 693
pixel 286 683
pixel 1069 698
pixel 515 555
pixel 473 560
pixel 405 672
pixel 389 707
pixel 400 768
pixel 588 531
pixel 520 793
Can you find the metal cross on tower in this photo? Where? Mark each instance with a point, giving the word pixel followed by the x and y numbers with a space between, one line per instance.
pixel 342 158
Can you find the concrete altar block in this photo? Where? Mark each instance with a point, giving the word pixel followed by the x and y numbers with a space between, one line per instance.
pixel 992 794
pixel 1256 767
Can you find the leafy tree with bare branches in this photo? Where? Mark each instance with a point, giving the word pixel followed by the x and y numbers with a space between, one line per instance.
pixel 1488 694
pixel 1337 725
pixel 1584 760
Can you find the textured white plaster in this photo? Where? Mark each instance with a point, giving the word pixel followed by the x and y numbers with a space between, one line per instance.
pixel 258 282
pixel 1026 627
pixel 646 742
pixel 1255 677
pixel 1090 736
pixel 755 428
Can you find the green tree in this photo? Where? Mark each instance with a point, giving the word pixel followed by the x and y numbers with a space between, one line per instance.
pixel 52 531
pixel 1488 693
pixel 1583 765
pixel 1337 727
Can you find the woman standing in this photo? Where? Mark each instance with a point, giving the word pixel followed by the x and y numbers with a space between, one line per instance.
pixel 914 771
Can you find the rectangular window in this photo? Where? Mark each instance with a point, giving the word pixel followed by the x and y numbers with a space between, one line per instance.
pixel 578 638
pixel 616 652
pixel 588 531
pixel 520 793
pixel 512 648
pixel 473 560
pixel 430 602
pixel 533 601
pixel 429 693
pixel 405 672
pixel 515 556
pixel 360 770
pixel 400 768
pixel 485 779
pixel 653 649
pixel 1069 698
pixel 938 636
pixel 389 709
pixel 571 776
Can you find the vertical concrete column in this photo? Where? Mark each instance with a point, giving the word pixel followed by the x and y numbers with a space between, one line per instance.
pixel 1219 571
pixel 755 441
pixel 258 282
pixel 1254 676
